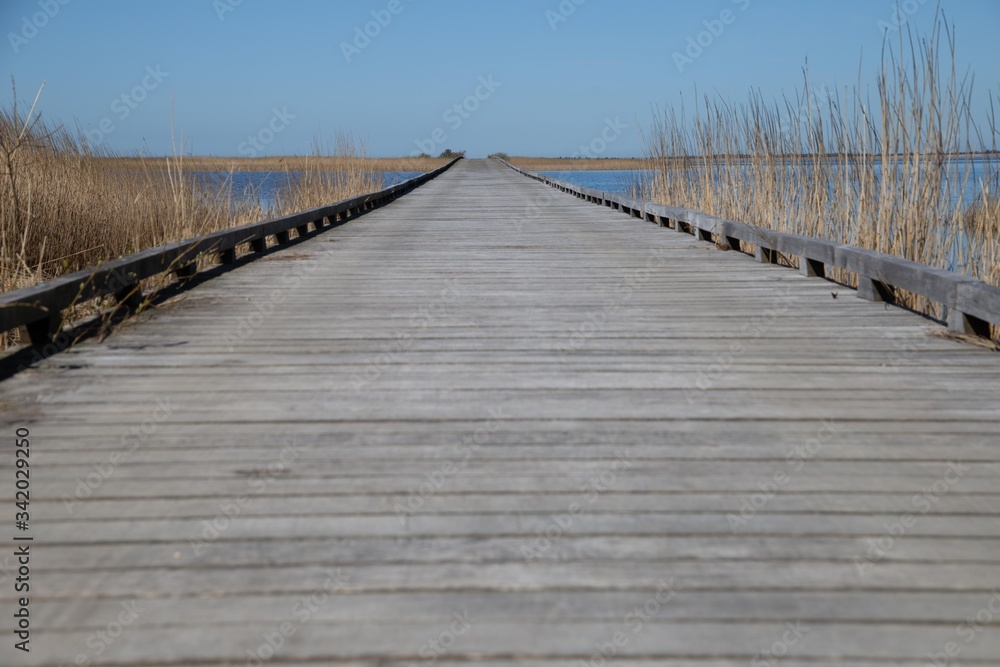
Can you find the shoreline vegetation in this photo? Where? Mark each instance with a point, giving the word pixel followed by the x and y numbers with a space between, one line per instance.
pixel 877 166
pixel 888 179
pixel 540 164
pixel 286 163
pixel 65 206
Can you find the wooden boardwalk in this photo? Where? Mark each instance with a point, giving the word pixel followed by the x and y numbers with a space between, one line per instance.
pixel 492 424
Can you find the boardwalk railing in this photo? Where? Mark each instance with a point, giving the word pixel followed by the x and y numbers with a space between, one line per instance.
pixel 38 309
pixel 972 305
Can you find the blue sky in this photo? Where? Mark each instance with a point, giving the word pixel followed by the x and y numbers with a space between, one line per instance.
pixel 530 77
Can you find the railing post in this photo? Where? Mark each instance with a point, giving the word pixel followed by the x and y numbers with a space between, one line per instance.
pixel 41 331
pixel 129 297
pixel 870 289
pixel 811 268
pixel 765 255
pixel 963 323
pixel 186 271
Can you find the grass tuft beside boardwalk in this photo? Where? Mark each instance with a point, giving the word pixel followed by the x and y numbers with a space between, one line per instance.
pixel 67 206
pixel 898 170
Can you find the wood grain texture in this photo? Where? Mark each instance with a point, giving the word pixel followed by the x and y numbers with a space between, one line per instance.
pixel 497 417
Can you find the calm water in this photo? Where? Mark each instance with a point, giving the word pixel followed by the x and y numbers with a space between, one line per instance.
pixel 968 179
pixel 980 172
pixel 606 180
pixel 265 185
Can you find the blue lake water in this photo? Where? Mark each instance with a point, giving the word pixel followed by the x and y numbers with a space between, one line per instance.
pixel 605 180
pixel 265 185
pixel 968 178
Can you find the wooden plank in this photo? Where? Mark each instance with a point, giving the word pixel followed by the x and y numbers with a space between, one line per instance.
pixel 585 333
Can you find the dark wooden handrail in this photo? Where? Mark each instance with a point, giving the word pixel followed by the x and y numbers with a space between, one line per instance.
pixel 971 304
pixel 38 309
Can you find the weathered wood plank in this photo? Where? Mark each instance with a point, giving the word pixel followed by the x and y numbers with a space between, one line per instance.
pixel 488 298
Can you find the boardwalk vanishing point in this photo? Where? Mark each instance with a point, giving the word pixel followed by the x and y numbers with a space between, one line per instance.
pixel 491 423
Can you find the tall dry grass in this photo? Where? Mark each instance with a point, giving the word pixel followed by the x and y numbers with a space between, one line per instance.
pixel 65 206
pixel 875 169
pixel 289 163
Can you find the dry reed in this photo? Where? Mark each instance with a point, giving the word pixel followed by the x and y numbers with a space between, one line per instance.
pixel 65 206
pixel 892 173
